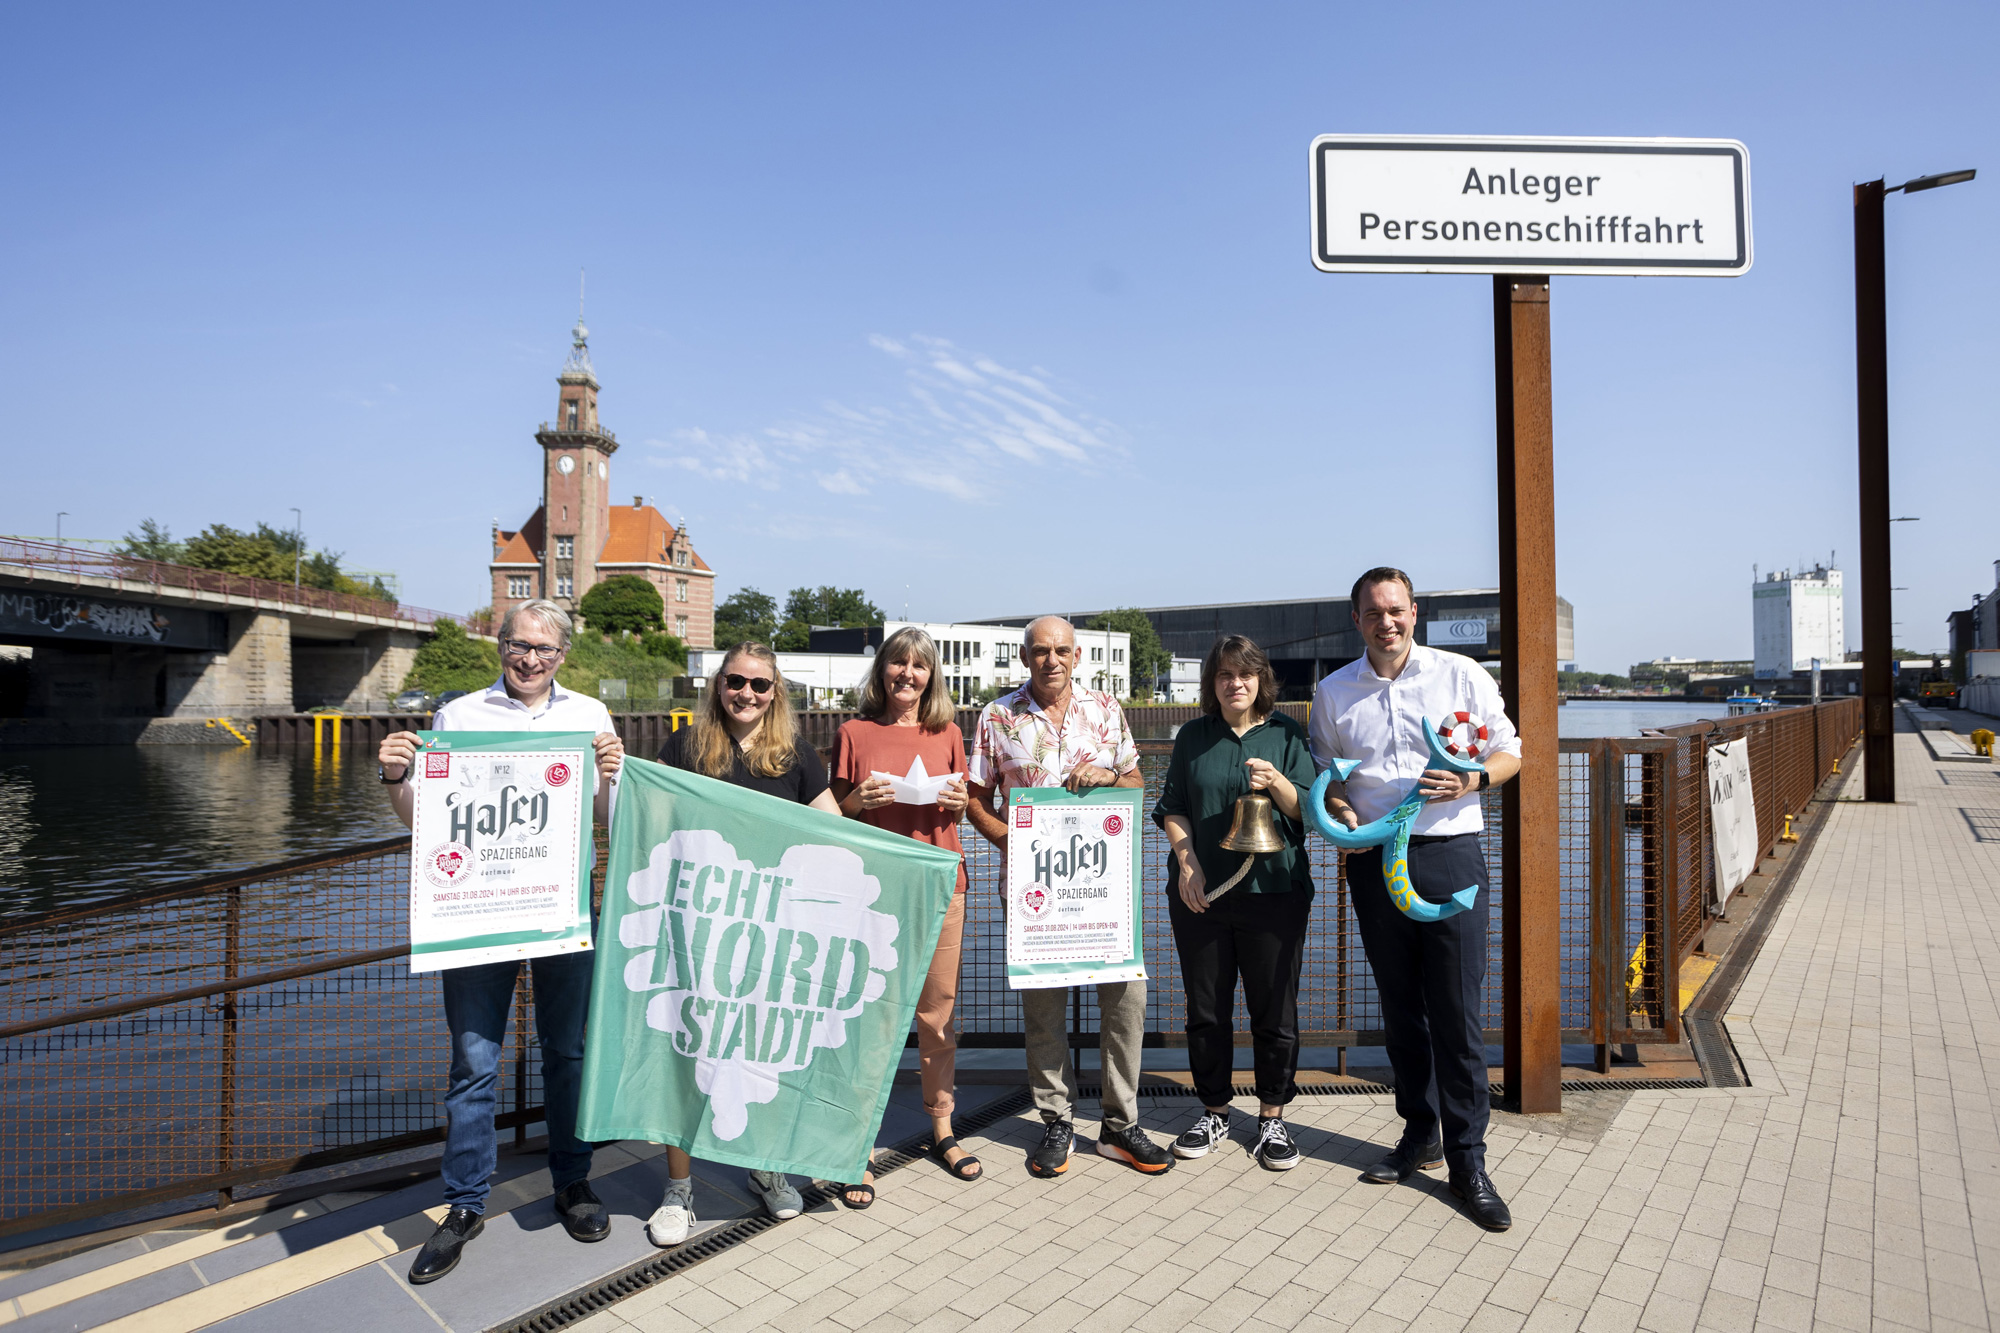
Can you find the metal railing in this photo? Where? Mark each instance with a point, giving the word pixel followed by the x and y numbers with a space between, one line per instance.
pixel 46 562
pixel 247 1026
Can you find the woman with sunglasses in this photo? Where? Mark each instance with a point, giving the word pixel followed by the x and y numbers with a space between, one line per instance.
pixel 908 720
pixel 744 733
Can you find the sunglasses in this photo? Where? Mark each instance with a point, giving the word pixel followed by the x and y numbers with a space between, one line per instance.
pixel 757 684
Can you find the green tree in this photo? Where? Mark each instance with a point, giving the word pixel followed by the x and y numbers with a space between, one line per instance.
pixel 747 616
pixel 666 647
pixel 794 636
pixel 153 542
pixel 452 660
pixel 271 553
pixel 848 608
pixel 623 602
pixel 1150 658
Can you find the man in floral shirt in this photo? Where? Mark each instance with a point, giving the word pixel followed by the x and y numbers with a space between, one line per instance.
pixel 1053 733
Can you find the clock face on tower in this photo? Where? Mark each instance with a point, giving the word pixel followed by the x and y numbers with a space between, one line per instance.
pixel 565 465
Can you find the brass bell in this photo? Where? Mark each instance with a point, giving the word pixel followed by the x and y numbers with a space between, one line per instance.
pixel 1253 827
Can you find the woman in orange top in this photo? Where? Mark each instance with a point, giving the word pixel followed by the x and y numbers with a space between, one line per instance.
pixel 907 718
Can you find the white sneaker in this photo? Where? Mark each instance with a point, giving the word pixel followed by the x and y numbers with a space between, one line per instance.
pixel 671 1221
pixel 775 1189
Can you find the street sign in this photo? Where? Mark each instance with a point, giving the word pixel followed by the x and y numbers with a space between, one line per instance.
pixel 1390 203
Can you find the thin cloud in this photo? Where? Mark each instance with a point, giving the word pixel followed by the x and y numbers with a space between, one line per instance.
pixel 960 421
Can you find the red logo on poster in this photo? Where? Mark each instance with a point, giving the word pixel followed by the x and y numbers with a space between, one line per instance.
pixel 1113 826
pixel 437 765
pixel 557 775
pixel 446 864
pixel 1024 816
pixel 1035 900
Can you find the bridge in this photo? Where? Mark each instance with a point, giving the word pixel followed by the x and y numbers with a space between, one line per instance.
pixel 119 643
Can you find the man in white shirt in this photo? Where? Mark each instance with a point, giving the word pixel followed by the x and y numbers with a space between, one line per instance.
pixel 534 639
pixel 1430 975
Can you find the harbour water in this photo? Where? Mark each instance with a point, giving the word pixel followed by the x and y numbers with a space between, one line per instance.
pixel 84 823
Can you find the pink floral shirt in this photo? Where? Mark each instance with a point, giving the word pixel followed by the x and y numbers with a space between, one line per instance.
pixel 1017 745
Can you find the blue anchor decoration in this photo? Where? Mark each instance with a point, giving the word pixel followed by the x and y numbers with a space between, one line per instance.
pixel 1392 831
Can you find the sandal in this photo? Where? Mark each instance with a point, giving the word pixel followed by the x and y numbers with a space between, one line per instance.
pixel 846 1190
pixel 958 1168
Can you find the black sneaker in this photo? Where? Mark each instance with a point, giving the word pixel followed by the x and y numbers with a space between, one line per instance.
pixel 1134 1148
pixel 1275 1149
pixel 1209 1129
pixel 1050 1157
pixel 440 1253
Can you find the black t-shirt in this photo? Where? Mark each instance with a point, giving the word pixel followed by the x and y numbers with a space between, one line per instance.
pixel 805 779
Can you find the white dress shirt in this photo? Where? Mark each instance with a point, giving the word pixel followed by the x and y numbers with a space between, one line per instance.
pixel 496 710
pixel 1356 714
pixel 563 710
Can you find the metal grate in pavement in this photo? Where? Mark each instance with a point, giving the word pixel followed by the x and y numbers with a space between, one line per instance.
pixel 581 1304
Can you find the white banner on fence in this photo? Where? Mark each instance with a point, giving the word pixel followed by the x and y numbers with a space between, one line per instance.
pixel 1732 814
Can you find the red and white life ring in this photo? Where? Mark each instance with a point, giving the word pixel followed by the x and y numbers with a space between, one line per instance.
pixel 1448 730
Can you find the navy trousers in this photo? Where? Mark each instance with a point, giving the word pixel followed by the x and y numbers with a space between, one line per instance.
pixel 1431 977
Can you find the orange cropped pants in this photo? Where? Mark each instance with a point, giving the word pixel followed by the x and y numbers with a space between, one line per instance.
pixel 937 1035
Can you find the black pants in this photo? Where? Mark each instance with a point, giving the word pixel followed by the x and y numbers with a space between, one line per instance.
pixel 1431 977
pixel 1260 937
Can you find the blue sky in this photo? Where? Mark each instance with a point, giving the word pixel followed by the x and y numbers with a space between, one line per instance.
pixel 1009 307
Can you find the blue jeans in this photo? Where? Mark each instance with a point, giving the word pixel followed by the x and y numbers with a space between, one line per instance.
pixel 477 1007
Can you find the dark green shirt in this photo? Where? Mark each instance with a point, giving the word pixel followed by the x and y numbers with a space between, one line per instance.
pixel 1204 778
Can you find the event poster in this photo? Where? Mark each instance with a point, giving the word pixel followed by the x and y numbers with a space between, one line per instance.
pixel 760 966
pixel 1733 814
pixel 500 846
pixel 1074 910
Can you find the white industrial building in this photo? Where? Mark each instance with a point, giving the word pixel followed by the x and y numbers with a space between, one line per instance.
pixel 1796 618
pixel 972 659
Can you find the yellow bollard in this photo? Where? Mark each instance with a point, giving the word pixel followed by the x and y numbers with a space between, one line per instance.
pixel 1982 742
pixel 1788 835
pixel 681 717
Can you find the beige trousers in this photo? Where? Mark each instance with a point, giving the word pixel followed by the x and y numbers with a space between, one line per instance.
pixel 1045 1013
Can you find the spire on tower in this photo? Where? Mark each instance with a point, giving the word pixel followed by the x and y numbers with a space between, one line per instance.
pixel 578 364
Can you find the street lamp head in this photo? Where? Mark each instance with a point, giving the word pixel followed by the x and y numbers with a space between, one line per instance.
pixel 1932 182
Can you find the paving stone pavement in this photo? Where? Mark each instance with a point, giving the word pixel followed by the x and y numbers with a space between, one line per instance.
pixel 1852 1186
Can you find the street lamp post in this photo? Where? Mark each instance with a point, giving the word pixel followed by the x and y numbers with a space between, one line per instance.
pixel 59 518
pixel 1871 367
pixel 298 544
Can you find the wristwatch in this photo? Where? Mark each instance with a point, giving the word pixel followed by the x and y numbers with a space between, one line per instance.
pixel 1485 779
pixel 383 774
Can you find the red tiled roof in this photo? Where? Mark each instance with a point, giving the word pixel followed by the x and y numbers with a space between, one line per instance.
pixel 523 547
pixel 640 535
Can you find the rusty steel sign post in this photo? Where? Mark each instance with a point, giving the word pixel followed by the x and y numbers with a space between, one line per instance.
pixel 1871 401
pixel 1523 210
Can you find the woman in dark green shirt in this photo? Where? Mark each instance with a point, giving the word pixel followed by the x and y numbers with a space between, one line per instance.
pixel 1257 931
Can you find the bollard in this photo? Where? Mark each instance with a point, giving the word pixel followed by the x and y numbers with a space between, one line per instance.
pixel 1787 835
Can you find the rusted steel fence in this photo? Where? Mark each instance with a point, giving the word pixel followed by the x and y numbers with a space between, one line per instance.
pixel 1792 750
pixel 247 1026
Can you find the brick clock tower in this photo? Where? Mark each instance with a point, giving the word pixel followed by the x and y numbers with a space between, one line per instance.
pixel 576 479
pixel 578 538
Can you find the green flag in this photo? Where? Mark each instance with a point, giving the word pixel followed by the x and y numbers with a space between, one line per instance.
pixel 757 969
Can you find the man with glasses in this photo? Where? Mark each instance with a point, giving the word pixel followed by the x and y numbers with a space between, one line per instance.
pixel 534 639
pixel 1052 733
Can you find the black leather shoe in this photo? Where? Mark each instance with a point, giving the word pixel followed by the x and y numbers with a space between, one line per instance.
pixel 1482 1202
pixel 582 1212
pixel 440 1253
pixel 1408 1159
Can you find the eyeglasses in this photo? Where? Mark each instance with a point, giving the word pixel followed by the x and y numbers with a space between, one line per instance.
pixel 545 652
pixel 757 684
